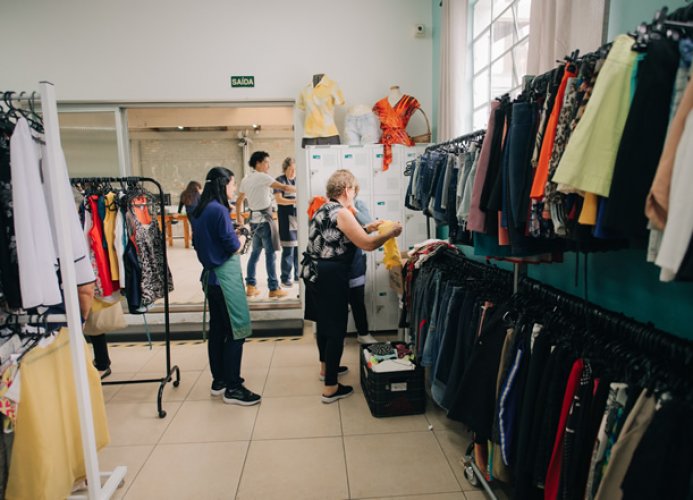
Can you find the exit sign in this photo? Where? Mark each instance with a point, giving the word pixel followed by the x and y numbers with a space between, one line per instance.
pixel 242 81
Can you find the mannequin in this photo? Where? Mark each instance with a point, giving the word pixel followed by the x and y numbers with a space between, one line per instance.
pixel 319 99
pixel 395 95
pixel 394 112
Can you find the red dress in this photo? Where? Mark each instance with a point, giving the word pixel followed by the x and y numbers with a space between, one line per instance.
pixel 393 122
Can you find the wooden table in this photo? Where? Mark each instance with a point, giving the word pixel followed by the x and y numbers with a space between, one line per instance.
pixel 169 218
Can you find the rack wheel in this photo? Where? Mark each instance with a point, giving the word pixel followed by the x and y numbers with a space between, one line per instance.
pixel 176 383
pixel 162 413
pixel 471 477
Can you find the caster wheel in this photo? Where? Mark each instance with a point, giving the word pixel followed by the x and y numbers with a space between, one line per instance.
pixel 162 414
pixel 176 383
pixel 471 477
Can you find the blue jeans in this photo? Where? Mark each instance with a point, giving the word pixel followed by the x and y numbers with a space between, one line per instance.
pixel 289 258
pixel 262 239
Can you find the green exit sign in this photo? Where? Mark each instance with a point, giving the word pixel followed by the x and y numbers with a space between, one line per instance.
pixel 242 81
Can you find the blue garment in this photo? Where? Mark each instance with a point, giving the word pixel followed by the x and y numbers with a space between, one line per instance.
pixel 435 329
pixel 441 368
pixel 262 239
pixel 214 238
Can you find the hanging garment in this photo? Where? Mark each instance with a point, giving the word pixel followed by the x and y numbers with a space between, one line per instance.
pixel 319 101
pixel 120 240
pixel 9 268
pixel 642 140
pixel 35 471
pixel 393 123
pixel 36 254
pixel 96 240
pixel 109 226
pixel 679 224
pixel 632 432
pixel 588 161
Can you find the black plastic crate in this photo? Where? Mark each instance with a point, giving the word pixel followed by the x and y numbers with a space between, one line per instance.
pixel 393 394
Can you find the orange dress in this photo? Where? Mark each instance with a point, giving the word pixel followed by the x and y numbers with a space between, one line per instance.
pixel 393 123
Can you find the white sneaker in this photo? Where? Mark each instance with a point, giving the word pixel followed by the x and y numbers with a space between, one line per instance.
pixel 367 339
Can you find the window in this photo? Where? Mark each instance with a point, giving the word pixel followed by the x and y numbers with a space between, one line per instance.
pixel 500 40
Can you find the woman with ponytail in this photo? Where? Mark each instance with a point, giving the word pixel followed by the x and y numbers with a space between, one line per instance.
pixel 216 243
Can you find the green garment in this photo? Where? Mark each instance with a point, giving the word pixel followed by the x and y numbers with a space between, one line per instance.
pixel 231 282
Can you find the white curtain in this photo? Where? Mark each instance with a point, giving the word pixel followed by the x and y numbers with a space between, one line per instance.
pixel 558 27
pixel 454 104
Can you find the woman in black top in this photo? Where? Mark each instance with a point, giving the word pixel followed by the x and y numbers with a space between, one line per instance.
pixel 333 237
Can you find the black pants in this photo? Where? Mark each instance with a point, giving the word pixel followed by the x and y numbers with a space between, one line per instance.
pixel 327 303
pixel 225 353
pixel 320 141
pixel 100 347
pixel 357 301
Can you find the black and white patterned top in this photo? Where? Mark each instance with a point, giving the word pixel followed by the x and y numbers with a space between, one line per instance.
pixel 325 240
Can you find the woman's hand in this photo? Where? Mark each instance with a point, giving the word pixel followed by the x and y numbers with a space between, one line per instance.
pixel 372 226
pixel 396 231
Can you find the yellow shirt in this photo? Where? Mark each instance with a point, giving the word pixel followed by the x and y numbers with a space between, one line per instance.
pixel 109 234
pixel 392 257
pixel 319 102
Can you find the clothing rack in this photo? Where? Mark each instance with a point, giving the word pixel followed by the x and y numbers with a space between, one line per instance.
pixel 456 141
pixel 170 370
pixel 95 488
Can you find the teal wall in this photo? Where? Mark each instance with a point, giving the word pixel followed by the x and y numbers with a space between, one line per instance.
pixel 435 30
pixel 625 15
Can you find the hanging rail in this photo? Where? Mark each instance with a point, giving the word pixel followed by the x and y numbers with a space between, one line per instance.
pixel 170 370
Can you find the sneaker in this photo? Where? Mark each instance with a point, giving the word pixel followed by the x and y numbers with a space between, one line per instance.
pixel 367 339
pixel 251 291
pixel 277 294
pixel 287 284
pixel 218 388
pixel 241 396
pixel 342 370
pixel 105 373
pixel 343 391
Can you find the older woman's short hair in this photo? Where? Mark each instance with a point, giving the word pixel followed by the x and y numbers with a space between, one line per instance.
pixel 287 163
pixel 338 183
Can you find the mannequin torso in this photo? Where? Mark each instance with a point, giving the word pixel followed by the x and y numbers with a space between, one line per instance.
pixel 395 95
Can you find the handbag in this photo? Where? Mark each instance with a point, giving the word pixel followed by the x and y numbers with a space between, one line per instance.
pixel 105 318
pixel 426 137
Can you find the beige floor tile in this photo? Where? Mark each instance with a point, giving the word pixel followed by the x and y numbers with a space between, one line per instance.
pixel 192 357
pixel 109 391
pixel 190 471
pixel 257 355
pixel 397 464
pixel 126 359
pixel 357 419
pixel 210 421
pixel 296 417
pixel 133 457
pixel 254 380
pixel 150 391
pixel 285 381
pixel 295 354
pixel 138 423
pixel 437 417
pixel 303 469
pixel 454 446
pixel 431 496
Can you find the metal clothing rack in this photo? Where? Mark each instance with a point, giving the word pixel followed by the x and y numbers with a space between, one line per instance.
pixel 170 370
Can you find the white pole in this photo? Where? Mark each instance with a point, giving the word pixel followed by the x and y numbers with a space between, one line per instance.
pixel 56 178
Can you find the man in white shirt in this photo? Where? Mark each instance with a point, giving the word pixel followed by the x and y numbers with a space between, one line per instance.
pixel 257 188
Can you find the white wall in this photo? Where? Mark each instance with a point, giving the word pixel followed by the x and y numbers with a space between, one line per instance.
pixel 177 50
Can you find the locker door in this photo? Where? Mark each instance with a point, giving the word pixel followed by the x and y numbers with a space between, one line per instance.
pixel 357 159
pixel 386 306
pixel 388 208
pixel 370 272
pixel 322 162
pixel 414 228
pixel 390 181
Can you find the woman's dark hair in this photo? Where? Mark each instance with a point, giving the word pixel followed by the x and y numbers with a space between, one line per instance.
pixel 215 188
pixel 191 193
pixel 257 157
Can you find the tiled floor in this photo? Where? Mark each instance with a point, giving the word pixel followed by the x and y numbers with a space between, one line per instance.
pixel 291 446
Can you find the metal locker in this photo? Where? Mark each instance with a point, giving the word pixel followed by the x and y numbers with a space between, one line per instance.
pixel 358 161
pixel 389 182
pixel 414 228
pixel 322 162
pixel 386 301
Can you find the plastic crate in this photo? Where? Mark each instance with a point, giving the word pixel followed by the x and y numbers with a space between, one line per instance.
pixel 395 393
